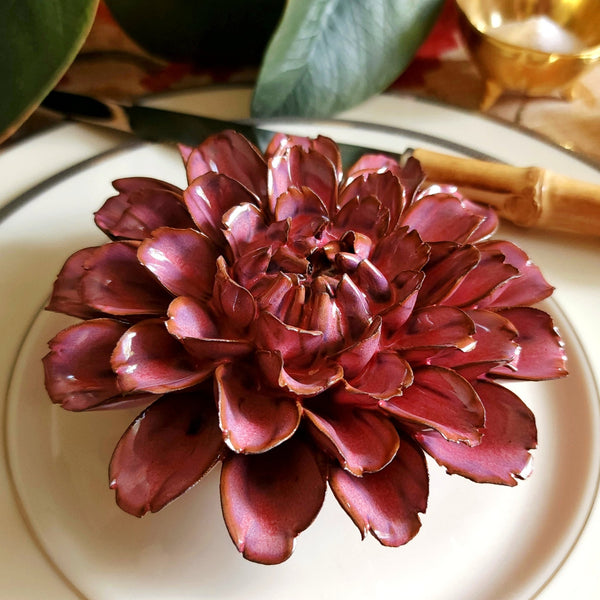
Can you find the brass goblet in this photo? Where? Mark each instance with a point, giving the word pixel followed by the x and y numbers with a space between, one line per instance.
pixel 532 47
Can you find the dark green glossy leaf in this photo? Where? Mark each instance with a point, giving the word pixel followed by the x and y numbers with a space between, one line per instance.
pixel 38 41
pixel 209 32
pixel 328 55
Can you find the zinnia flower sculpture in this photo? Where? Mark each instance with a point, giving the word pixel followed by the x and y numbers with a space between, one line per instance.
pixel 304 329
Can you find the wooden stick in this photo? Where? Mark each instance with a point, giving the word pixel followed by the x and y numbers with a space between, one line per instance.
pixel 526 196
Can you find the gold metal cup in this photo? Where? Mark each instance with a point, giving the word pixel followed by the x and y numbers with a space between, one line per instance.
pixel 558 41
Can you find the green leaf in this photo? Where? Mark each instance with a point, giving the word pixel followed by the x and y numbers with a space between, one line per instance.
pixel 38 41
pixel 209 32
pixel 328 55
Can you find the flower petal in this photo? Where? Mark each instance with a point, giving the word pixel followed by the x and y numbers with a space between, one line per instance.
pixel 78 373
pixel 326 317
pixel 411 177
pixel 299 168
pixel 405 292
pixel 281 143
pixel 268 499
pixel 373 283
pixel 301 382
pixel 296 202
pixel 131 185
pixel 542 354
pixel 192 324
pixel 434 326
pixel 365 215
pixel 116 283
pixel 495 345
pixel 384 186
pixel 234 302
pixel 233 155
pixel 503 453
pixel 165 451
pixel 66 293
pixel 253 418
pixel 209 197
pixel 271 291
pixel 401 250
pixel 355 358
pixel 292 342
pixel 285 260
pixel 487 226
pixel 245 228
pixel 386 503
pixel 373 163
pixel 526 289
pixel 386 375
pixel 250 268
pixel 147 358
pixel 183 260
pixel 442 399
pixel 483 279
pixel 189 318
pixel 142 205
pixel 353 307
pixel 440 218
pixel 363 441
pixel 448 264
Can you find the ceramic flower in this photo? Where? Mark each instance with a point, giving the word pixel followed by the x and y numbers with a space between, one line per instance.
pixel 305 328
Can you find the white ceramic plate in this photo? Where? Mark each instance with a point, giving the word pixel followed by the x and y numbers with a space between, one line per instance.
pixel 63 536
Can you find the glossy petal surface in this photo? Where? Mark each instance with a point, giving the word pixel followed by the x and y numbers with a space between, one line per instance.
pixel 301 382
pixel 440 218
pixel 526 289
pixel 232 300
pixel 483 279
pixel 402 250
pixel 503 454
pixel 78 372
pixel 147 358
pixel 115 282
pixel 384 186
pixel 384 376
pixel 448 264
pixel 253 420
pixel 66 293
pixel 442 399
pixel 268 499
pixel 387 503
pixel 141 206
pixel 209 197
pixel 495 344
pixel 182 260
pixel 165 451
pixel 364 441
pixel 281 143
pixel 542 354
pixel 230 153
pixel 300 168
pixel 440 326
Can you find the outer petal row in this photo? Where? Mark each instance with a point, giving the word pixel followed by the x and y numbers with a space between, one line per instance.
pixel 387 503
pixel 166 450
pixel 108 280
pixel 508 435
pixel 268 499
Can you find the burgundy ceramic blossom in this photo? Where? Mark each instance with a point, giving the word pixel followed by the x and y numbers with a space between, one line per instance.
pixel 303 327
